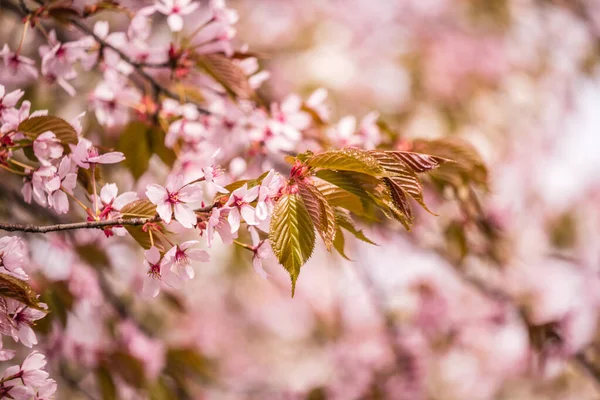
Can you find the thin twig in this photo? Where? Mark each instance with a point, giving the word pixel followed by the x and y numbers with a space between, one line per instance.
pixel 76 225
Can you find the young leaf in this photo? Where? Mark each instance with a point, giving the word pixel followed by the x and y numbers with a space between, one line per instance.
pixel 417 162
pixel 142 209
pixel 338 197
pixel 403 178
pixel 292 234
pixel 348 181
pixel 227 73
pixel 399 198
pixel 65 133
pixel 344 221
pixel 467 165
pixel 19 290
pixel 156 136
pixel 349 159
pixel 134 143
pixel 339 242
pixel 320 212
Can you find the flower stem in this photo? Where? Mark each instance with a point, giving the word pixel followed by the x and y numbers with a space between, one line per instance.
pixel 93 167
pixel 76 200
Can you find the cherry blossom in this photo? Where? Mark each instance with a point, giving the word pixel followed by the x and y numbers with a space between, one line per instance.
pixel 18 64
pixel 267 192
pixel 113 100
pixel 22 318
pixel 111 204
pixel 8 100
pixel 30 371
pixel 46 391
pixel 58 60
pixel 47 147
pixel 240 208
pixel 156 273
pixel 174 199
pixel 12 255
pixel 63 182
pixel 218 222
pixel 175 10
pixel 262 250
pixel 179 257
pixel 85 154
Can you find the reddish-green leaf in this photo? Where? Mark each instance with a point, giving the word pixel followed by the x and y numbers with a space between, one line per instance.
pixel 344 221
pixel 467 166
pixel 142 209
pixel 292 234
pixel 65 133
pixel 19 290
pixel 321 213
pixel 134 143
pixel 349 159
pixel 227 73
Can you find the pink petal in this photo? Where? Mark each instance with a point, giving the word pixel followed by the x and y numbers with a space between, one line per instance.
pixel 108 158
pixel 151 287
pixel 175 22
pixel 198 255
pixel 165 212
pixel 249 214
pixel 234 219
pixel 257 264
pixel 108 193
pixel 191 193
pixel 185 215
pixel 156 193
pixel 152 255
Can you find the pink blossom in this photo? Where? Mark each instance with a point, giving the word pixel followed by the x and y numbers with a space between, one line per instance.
pixel 178 259
pixel 113 100
pixel 174 198
pixel 62 183
pixel 316 102
pixel 156 273
pixel 12 254
pixel 268 190
pixel 22 317
pixel 368 134
pixel 47 147
pixel 13 117
pixel 30 372
pixel 111 205
pixel 34 185
pixel 188 128
pixel 46 391
pixel 210 173
pixel 174 10
pixel 8 100
pixel 215 30
pixel 240 208
pixel 18 64
pixel 218 222
pixel 5 354
pixel 58 61
pixel 151 352
pixel 85 154
pixel 262 250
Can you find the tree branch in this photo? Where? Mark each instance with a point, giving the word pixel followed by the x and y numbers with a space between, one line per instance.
pixel 76 225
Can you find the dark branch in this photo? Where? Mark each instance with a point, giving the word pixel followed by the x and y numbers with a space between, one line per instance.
pixel 76 225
